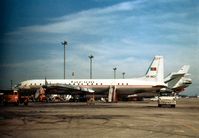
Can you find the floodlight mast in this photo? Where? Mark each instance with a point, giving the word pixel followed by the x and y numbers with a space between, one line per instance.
pixel 123 74
pixel 64 44
pixel 91 57
pixel 114 69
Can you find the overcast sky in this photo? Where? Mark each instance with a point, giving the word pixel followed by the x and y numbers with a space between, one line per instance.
pixel 119 33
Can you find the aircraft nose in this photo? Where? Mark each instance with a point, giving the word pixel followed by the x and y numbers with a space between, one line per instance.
pixel 18 86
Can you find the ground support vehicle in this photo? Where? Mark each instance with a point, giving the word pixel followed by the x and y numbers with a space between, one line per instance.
pixel 167 99
pixel 14 97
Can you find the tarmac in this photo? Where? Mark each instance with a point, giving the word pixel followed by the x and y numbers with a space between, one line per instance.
pixel 102 120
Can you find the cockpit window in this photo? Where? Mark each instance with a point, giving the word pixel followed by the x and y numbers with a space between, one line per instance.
pixel 18 85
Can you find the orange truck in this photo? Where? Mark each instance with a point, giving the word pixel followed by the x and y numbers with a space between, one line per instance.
pixel 14 97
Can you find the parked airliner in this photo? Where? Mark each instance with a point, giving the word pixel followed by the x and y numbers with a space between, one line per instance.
pixel 153 81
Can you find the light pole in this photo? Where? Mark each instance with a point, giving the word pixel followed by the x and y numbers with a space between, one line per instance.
pixel 11 83
pixel 123 74
pixel 91 57
pixel 115 72
pixel 64 44
pixel 73 75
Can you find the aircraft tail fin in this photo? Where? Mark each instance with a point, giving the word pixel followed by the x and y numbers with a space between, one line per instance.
pixel 156 69
pixel 184 69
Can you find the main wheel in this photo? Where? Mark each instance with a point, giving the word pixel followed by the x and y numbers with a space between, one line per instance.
pixel 17 103
pixel 173 106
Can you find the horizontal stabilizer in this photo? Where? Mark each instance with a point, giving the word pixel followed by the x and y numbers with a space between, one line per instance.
pixel 176 79
pixel 177 75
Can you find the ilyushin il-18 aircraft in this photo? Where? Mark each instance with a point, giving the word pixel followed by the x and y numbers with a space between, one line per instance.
pixel 151 82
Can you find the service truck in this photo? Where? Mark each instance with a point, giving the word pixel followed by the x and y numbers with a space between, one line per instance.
pixel 167 99
pixel 14 97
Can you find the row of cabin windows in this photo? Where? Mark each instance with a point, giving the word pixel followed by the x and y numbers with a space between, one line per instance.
pixel 83 84
pixel 122 84
pixel 36 84
pixel 96 84
pixel 86 84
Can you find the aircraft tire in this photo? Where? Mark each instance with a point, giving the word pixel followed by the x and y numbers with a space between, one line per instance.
pixel 17 103
pixel 173 106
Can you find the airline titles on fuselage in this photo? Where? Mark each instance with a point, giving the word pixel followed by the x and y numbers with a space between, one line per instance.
pixel 82 82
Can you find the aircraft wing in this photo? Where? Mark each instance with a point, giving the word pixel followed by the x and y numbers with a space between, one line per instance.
pixel 66 88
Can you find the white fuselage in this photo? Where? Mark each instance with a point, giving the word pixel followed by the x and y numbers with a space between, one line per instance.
pixel 151 82
pixel 123 86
